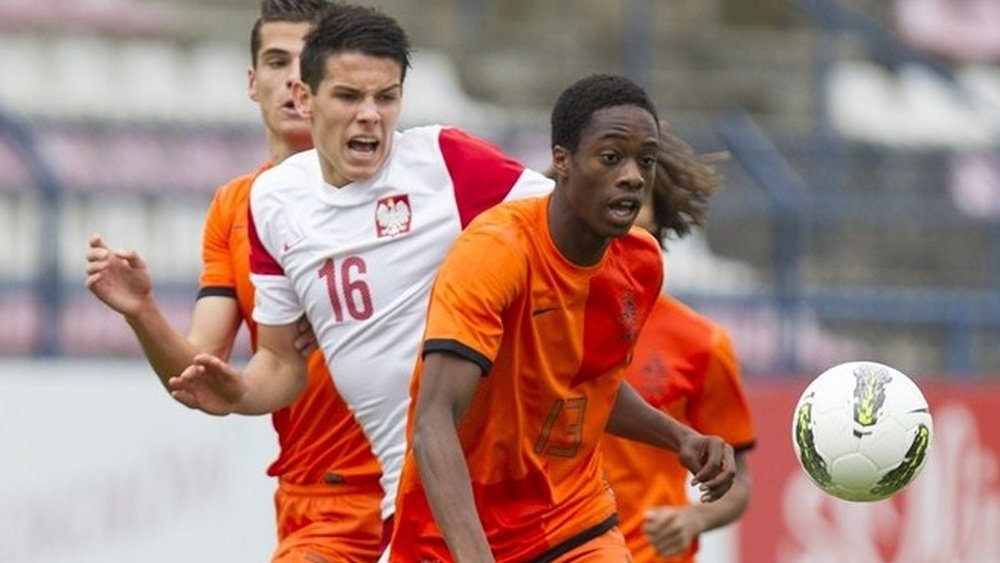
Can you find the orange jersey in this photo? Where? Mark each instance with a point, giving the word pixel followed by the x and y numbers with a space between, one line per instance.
pixel 684 365
pixel 318 436
pixel 553 339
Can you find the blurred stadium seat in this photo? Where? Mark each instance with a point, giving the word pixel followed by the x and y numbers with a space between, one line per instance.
pixel 136 111
pixel 112 17
pixel 913 106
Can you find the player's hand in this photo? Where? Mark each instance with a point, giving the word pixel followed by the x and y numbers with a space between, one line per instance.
pixel 712 462
pixel 209 384
pixel 305 342
pixel 118 277
pixel 671 529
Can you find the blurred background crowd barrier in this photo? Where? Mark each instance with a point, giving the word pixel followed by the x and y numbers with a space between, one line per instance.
pixel 860 219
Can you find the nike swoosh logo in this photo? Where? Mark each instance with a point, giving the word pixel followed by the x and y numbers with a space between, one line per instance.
pixel 543 310
pixel 289 245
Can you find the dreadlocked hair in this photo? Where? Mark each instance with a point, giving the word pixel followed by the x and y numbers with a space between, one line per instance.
pixel 685 180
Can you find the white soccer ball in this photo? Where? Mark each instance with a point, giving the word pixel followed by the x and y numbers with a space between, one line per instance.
pixel 862 431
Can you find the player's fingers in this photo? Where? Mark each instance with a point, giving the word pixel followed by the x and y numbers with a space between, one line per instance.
pixel 132 257
pixel 206 360
pixel 714 488
pixel 711 465
pixel 186 377
pixel 660 515
pixel 305 343
pixel 185 398
pixel 97 254
pixel 666 542
pixel 215 368
pixel 97 241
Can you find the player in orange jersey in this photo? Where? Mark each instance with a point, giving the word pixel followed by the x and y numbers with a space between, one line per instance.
pixel 532 320
pixel 328 494
pixel 684 364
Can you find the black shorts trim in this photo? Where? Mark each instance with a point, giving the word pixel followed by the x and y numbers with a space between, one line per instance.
pixel 461 350
pixel 577 540
pixel 217 291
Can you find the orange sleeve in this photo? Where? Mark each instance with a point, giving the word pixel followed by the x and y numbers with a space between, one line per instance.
pixel 722 408
pixel 217 267
pixel 479 278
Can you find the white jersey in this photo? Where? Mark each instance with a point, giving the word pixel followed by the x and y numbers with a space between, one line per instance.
pixel 359 261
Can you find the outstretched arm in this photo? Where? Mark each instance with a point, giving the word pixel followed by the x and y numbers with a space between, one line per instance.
pixel 446 388
pixel 273 378
pixel 671 529
pixel 121 280
pixel 709 458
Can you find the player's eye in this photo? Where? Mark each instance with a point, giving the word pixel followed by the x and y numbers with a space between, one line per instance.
pixel 276 63
pixel 609 157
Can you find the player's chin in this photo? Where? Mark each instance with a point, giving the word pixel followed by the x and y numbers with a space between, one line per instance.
pixel 359 171
pixel 616 230
pixel 294 126
pixel 616 224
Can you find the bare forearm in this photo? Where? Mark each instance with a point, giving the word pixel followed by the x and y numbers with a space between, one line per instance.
pixel 729 507
pixel 635 419
pixel 446 482
pixel 167 351
pixel 273 382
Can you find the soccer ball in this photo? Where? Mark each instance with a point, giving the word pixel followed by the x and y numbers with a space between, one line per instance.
pixel 862 431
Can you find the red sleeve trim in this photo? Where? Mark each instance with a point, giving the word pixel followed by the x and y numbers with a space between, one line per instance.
pixel 480 173
pixel 261 261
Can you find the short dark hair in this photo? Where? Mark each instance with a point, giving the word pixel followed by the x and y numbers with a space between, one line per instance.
pixel 292 11
pixel 575 107
pixel 352 28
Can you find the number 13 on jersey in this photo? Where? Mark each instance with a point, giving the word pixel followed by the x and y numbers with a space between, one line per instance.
pixel 565 420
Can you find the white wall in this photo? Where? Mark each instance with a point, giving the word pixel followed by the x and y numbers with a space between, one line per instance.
pixel 99 465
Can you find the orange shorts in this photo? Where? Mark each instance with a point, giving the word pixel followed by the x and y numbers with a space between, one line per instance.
pixel 328 522
pixel 606 548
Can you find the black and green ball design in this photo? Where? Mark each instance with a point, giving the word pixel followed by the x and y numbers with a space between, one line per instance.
pixel 862 431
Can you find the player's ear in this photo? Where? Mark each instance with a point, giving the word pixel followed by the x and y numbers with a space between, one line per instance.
pixel 560 162
pixel 252 83
pixel 302 98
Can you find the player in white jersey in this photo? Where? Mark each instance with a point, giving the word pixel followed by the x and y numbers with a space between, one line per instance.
pixel 351 235
pixel 360 260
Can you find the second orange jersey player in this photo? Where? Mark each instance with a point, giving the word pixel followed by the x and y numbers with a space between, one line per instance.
pixel 328 497
pixel 684 365
pixel 328 493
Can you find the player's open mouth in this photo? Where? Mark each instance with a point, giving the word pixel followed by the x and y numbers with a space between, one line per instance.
pixel 288 108
pixel 625 210
pixel 364 146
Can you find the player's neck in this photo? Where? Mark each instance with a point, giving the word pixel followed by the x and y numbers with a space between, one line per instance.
pixel 279 148
pixel 571 237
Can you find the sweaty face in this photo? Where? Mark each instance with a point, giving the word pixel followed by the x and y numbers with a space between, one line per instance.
pixel 277 68
pixel 354 113
pixel 613 168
